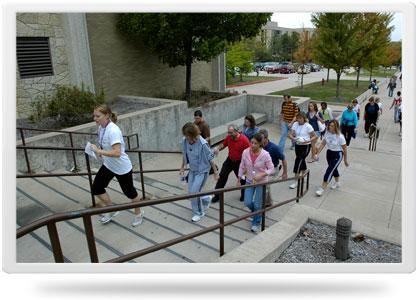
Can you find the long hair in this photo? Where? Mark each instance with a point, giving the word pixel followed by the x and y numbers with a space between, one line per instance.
pixel 315 106
pixel 251 119
pixel 302 115
pixel 105 109
pixel 336 126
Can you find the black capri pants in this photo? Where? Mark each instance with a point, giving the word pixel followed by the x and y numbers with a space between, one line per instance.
pixel 104 176
pixel 334 159
pixel 302 152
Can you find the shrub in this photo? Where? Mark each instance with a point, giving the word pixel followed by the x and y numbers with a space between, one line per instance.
pixel 69 105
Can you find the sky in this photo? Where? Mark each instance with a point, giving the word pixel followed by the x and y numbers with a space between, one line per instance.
pixel 298 20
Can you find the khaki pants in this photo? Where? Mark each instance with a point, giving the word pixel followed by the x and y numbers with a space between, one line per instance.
pixel 273 176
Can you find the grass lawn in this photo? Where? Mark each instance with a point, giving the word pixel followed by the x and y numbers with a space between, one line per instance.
pixel 248 79
pixel 316 91
pixel 377 72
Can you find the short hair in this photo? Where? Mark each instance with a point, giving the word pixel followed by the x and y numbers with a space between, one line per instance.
pixel 354 101
pixel 302 115
pixel 234 126
pixel 198 113
pixel 325 104
pixel 398 93
pixel 251 119
pixel 371 98
pixel 258 137
pixel 191 130
pixel 264 132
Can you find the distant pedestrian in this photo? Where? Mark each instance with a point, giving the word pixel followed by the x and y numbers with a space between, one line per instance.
pixel 356 108
pixel 236 143
pixel 116 163
pixel 276 156
pixel 314 118
pixel 256 165
pixel 250 127
pixel 197 154
pixel 400 119
pixel 287 118
pixel 373 85
pixel 371 113
pixel 327 114
pixel 203 126
pixel 380 104
pixel 391 86
pixel 304 135
pixel 348 123
pixel 397 101
pixel 337 150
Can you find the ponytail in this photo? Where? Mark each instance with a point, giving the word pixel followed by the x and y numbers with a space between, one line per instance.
pixel 105 109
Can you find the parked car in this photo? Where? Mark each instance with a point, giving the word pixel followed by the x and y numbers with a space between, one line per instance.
pixel 259 65
pixel 272 68
pixel 315 67
pixel 305 69
pixel 286 68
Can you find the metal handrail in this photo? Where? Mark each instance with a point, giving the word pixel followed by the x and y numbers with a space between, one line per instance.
pixel 70 133
pixel 89 172
pixel 50 221
pixel 373 137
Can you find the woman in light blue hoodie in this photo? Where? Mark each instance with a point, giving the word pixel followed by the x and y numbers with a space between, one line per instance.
pixel 348 123
pixel 199 157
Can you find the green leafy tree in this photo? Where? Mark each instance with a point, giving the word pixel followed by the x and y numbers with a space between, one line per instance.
pixel 180 39
pixel 240 55
pixel 284 45
pixel 334 45
pixel 304 53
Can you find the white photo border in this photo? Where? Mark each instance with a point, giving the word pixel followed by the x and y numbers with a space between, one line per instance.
pixel 408 141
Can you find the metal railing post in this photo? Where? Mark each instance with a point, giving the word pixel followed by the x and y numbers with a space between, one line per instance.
pixel 307 181
pixel 142 174
pixel 129 142
pixel 55 242
pixel 298 190
pixel 90 239
pixel 93 200
pixel 75 168
pixel 137 140
pixel 263 218
pixel 221 221
pixel 22 136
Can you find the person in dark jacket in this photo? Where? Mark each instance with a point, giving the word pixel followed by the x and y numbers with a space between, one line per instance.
pixel 371 113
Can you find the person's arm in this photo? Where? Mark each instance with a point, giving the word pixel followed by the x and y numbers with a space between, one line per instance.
pixel 291 134
pixel 115 152
pixel 242 170
pixel 393 103
pixel 220 147
pixel 313 138
pixel 284 175
pixel 345 155
pixel 269 169
pixel 324 142
pixel 215 170
pixel 320 118
pixel 183 164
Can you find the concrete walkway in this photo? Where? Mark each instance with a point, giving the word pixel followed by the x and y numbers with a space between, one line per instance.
pixel 370 193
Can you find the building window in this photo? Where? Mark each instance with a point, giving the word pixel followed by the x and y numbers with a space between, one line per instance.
pixel 33 57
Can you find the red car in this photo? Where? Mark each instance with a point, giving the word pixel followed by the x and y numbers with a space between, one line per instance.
pixel 286 69
pixel 272 68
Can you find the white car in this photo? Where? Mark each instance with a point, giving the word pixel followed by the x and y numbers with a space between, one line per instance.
pixel 305 69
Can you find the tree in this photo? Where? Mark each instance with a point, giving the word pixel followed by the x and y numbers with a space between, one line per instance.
pixel 283 45
pixel 240 55
pixel 180 39
pixel 304 52
pixel 333 45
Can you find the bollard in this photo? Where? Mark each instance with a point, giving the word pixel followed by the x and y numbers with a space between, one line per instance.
pixel 322 81
pixel 342 249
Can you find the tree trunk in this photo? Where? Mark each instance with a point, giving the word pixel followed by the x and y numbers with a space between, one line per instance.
pixel 301 81
pixel 338 85
pixel 240 76
pixel 189 74
pixel 358 76
pixel 371 73
pixel 328 75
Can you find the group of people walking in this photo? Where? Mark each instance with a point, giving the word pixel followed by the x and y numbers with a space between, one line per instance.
pixel 251 155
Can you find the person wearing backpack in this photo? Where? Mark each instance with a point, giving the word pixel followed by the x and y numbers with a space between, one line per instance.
pixel 371 113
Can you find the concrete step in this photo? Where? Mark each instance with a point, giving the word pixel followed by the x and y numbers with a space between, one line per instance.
pixel 217 134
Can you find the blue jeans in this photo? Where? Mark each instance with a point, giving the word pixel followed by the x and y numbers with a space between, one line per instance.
pixel 390 94
pixel 254 202
pixel 196 182
pixel 283 135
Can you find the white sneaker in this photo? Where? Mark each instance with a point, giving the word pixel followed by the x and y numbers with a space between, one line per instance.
pixel 336 185
pixel 293 185
pixel 255 228
pixel 106 218
pixel 138 219
pixel 319 192
pixel 196 218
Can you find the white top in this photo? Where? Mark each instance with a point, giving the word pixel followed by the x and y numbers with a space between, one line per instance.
pixel 302 132
pixel 379 104
pixel 108 136
pixel 334 142
pixel 356 108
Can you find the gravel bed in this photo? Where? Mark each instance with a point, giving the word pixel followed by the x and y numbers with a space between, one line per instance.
pixel 316 241
pixel 120 107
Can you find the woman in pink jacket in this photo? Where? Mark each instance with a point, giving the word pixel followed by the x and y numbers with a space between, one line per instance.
pixel 256 165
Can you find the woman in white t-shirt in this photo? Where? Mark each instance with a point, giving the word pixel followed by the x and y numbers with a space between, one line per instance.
pixel 337 150
pixel 116 163
pixel 304 135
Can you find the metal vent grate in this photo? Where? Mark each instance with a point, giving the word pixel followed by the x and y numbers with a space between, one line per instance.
pixel 33 57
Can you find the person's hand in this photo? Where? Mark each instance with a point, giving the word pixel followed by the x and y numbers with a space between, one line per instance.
pixel 346 163
pixel 181 171
pixel 94 148
pixel 216 151
pixel 216 176
pixel 258 177
pixel 238 182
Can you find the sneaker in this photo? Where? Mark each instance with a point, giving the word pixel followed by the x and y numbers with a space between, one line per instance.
pixel 293 185
pixel 196 218
pixel 106 218
pixel 319 192
pixel 311 160
pixel 138 219
pixel 255 228
pixel 335 186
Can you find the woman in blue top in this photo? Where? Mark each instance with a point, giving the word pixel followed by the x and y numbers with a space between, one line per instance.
pixel 348 123
pixel 197 154
pixel 314 116
pixel 249 127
